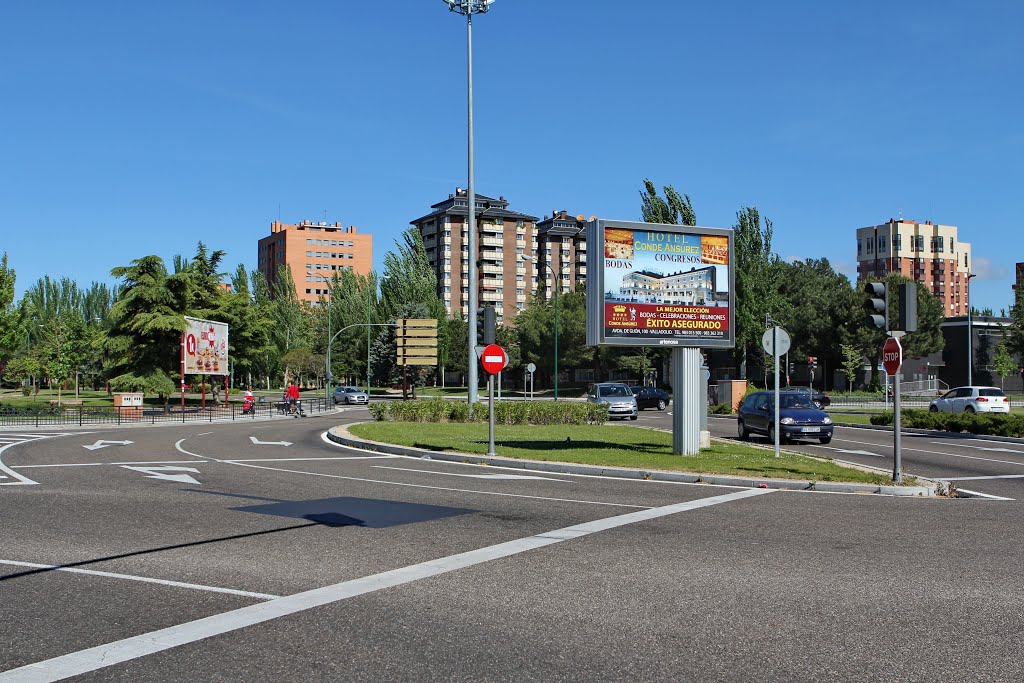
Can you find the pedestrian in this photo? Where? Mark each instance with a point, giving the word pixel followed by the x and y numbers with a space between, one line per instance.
pixel 292 396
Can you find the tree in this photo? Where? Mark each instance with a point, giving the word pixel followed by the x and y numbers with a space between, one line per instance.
pixel 851 363
pixel 535 327
pixel 1004 363
pixel 674 209
pixel 757 277
pixel 9 319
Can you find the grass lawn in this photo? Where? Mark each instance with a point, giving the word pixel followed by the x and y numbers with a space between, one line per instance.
pixel 607 445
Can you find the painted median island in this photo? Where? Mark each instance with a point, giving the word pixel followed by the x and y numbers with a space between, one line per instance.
pixel 576 433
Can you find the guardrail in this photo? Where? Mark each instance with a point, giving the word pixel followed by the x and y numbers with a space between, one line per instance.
pixel 82 415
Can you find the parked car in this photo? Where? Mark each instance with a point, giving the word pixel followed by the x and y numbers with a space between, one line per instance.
pixel 798 417
pixel 619 398
pixel 651 397
pixel 971 400
pixel 820 398
pixel 350 395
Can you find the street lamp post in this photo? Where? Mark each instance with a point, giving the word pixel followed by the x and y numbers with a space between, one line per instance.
pixel 469 8
pixel 558 284
pixel 970 333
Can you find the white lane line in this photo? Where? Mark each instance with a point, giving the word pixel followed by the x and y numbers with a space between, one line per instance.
pixel 852 452
pixel 471 476
pixel 441 488
pixel 976 493
pixel 143 579
pixel 96 658
pixel 340 457
pixel 949 455
pixel 21 480
pixel 996 476
pixel 94 464
pixel 177 447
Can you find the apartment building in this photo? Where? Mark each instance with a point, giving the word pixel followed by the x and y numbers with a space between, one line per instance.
pixel 927 252
pixel 561 251
pixel 1018 274
pixel 504 280
pixel 315 252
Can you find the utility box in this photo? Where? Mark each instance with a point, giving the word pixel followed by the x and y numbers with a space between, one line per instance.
pixel 128 404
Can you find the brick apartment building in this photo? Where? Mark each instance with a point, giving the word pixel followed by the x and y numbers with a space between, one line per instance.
pixel 561 251
pixel 929 253
pixel 315 252
pixel 505 279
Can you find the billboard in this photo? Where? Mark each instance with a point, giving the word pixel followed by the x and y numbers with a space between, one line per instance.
pixel 650 284
pixel 205 347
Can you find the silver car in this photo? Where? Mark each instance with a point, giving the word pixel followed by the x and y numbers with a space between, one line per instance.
pixel 350 395
pixel 618 397
pixel 971 400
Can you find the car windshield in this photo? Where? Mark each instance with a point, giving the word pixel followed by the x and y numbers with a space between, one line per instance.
pixel 795 401
pixel 615 392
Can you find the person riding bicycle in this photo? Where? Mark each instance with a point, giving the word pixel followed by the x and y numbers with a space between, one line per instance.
pixel 247 404
pixel 292 396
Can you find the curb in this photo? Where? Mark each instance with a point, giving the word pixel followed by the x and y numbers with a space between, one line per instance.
pixel 345 439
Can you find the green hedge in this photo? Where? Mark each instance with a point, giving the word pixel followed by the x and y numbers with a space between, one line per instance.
pixel 972 423
pixel 721 409
pixel 505 412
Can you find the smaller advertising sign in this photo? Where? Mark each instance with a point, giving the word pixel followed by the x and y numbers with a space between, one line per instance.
pixel 206 347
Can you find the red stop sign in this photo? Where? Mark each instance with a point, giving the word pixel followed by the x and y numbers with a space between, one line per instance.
pixel 892 355
pixel 494 359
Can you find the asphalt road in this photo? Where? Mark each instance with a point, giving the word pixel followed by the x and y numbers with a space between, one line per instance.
pixel 195 553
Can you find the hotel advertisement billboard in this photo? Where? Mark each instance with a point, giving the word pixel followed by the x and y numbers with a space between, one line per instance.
pixel 205 347
pixel 650 284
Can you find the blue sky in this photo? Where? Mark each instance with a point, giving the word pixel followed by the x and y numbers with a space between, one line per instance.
pixel 132 128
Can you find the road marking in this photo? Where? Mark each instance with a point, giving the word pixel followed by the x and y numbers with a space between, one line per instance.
pixel 844 450
pixel 11 474
pixel 269 443
pixel 973 493
pixel 473 476
pixel 440 488
pixel 340 457
pixel 949 455
pixel 102 656
pixel 165 473
pixel 94 464
pixel 103 444
pixel 995 476
pixel 177 447
pixel 143 579
pixel 982 448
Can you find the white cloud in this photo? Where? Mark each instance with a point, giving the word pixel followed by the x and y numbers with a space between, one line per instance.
pixel 986 270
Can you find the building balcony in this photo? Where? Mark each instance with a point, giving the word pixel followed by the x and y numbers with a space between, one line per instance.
pixel 492 255
pixel 492 228
pixel 491 241
pixel 491 296
pixel 492 269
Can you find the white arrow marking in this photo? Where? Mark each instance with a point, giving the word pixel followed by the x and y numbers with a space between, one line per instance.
pixel 103 444
pixel 269 443
pixel 471 476
pixel 844 450
pixel 162 473
pixel 982 448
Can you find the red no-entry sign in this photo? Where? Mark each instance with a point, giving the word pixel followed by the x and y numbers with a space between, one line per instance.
pixel 892 355
pixel 494 359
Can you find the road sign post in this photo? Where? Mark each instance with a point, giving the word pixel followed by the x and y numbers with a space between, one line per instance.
pixel 892 361
pixel 777 342
pixel 494 359
pixel 531 368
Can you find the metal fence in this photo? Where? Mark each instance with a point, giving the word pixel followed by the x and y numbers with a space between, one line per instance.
pixel 109 415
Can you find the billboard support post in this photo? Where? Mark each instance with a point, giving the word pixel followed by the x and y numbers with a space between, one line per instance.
pixel 686 409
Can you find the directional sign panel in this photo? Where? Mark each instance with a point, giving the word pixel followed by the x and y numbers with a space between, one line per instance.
pixel 416 341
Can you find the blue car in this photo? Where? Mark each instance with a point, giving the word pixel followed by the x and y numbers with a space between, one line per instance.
pixel 798 417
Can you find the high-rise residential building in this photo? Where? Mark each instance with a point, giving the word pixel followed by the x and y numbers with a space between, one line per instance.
pixel 315 252
pixel 504 279
pixel 1018 276
pixel 929 253
pixel 562 245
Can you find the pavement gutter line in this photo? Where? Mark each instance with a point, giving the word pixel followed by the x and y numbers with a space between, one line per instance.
pixel 102 656
pixel 142 579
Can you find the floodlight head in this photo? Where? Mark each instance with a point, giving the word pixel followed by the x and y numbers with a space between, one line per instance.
pixel 468 6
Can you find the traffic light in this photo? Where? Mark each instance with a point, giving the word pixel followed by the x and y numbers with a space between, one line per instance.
pixel 877 305
pixel 486 325
pixel 907 319
pixel 812 361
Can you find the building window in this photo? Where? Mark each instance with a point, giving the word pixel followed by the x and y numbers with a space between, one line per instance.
pixel 871 245
pixel 860 248
pixel 519 224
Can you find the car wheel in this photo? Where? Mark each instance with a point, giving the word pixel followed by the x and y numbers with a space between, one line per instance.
pixel 825 439
pixel 661 404
pixel 632 417
pixel 933 409
pixel 969 409
pixel 335 401
pixel 741 428
pixel 771 435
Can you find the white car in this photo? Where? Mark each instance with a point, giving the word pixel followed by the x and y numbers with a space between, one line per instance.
pixel 971 400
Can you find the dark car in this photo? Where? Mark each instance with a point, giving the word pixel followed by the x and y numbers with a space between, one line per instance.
pixel 820 398
pixel 798 417
pixel 651 397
